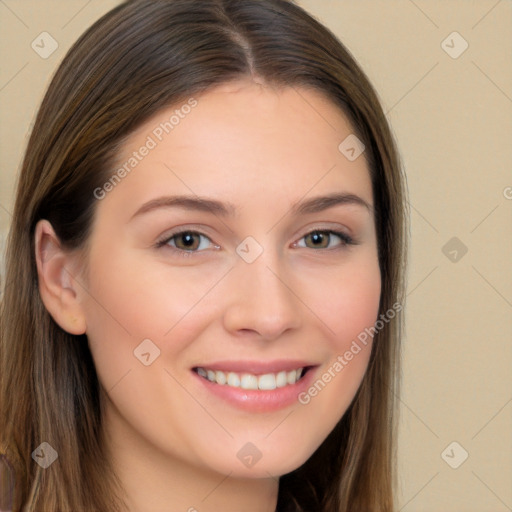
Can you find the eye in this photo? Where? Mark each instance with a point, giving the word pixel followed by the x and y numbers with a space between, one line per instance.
pixel 188 241
pixel 321 239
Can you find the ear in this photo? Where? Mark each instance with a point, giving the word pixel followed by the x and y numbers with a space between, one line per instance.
pixel 58 285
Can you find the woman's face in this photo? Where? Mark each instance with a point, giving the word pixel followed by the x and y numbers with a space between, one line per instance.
pixel 214 257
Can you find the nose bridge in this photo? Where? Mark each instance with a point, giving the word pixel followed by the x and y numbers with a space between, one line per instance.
pixel 264 278
pixel 261 299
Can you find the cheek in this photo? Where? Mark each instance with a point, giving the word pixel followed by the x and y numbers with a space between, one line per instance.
pixel 348 308
pixel 346 300
pixel 354 307
pixel 127 306
pixel 142 299
pixel 128 302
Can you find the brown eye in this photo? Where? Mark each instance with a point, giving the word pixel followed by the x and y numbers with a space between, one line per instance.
pixel 189 241
pixel 319 239
pixel 325 239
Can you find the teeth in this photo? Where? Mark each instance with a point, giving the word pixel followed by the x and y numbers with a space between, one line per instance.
pixel 249 381
pixel 266 382
pixel 233 380
pixel 220 377
pixel 281 380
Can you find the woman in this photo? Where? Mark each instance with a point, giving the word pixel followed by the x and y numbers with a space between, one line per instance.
pixel 205 271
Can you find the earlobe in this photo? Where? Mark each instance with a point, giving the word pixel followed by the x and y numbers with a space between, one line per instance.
pixel 58 286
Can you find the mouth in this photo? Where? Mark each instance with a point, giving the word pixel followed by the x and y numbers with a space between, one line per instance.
pixel 253 381
pixel 255 386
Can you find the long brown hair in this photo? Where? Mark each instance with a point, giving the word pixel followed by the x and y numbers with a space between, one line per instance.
pixel 140 57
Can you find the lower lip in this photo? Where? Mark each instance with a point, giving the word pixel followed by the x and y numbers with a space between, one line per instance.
pixel 259 401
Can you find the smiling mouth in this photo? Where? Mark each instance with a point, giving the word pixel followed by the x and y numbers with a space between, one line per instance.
pixel 265 382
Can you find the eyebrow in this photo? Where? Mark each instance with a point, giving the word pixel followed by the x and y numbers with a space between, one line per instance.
pixel 321 203
pixel 204 204
pixel 196 203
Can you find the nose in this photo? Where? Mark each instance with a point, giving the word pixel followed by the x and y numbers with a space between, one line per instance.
pixel 262 300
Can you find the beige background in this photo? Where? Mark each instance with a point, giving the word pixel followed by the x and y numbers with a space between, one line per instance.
pixel 452 118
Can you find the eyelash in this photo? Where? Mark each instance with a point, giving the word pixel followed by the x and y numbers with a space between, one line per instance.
pixel 345 240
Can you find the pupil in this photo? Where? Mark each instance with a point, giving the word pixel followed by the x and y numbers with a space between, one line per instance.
pixel 317 237
pixel 188 240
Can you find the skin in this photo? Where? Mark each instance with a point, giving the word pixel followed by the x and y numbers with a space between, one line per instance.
pixel 173 442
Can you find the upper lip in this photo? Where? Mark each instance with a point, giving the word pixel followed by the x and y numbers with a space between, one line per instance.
pixel 256 367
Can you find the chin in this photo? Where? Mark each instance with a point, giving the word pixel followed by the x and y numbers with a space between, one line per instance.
pixel 264 458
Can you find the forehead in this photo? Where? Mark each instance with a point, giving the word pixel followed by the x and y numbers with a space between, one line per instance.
pixel 242 142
